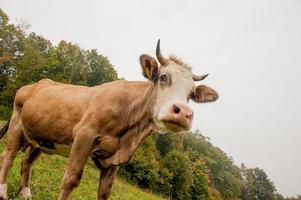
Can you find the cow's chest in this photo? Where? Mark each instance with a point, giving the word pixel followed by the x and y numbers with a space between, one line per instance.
pixel 106 146
pixel 116 151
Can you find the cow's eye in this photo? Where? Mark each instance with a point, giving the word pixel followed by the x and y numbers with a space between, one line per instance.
pixel 163 78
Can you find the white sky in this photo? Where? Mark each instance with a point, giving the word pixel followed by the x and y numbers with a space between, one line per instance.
pixel 252 50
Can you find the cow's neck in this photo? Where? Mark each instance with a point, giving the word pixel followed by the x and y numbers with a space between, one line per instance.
pixel 138 103
pixel 140 124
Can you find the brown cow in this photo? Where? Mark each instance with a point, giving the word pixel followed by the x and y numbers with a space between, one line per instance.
pixel 107 122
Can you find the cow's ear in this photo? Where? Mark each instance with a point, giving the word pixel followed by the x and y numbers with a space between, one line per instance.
pixel 149 67
pixel 202 94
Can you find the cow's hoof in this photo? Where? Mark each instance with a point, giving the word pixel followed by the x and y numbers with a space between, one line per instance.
pixel 3 192
pixel 25 193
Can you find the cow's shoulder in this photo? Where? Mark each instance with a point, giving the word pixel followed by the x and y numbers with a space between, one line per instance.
pixel 117 95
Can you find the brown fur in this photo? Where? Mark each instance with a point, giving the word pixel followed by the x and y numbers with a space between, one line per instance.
pixel 203 93
pixel 107 122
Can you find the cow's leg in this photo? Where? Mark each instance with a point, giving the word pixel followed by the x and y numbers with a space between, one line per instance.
pixel 26 168
pixel 80 151
pixel 106 182
pixel 9 154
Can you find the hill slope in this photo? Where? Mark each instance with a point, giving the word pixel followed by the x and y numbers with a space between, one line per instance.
pixel 47 177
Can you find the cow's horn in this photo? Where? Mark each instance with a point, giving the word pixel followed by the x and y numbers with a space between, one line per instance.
pixel 199 77
pixel 160 57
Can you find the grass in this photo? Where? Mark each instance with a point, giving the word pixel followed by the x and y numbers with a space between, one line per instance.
pixel 47 177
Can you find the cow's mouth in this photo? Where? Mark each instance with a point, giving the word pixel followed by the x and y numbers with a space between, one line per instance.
pixel 166 126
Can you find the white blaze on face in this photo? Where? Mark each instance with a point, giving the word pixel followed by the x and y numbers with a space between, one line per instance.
pixel 173 91
pixel 174 84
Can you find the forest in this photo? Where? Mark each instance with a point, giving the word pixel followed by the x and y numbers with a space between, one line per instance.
pixel 175 166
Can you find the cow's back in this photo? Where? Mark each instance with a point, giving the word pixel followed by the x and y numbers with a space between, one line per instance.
pixel 50 110
pixel 26 92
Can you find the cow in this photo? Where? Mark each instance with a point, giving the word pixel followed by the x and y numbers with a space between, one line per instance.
pixel 106 122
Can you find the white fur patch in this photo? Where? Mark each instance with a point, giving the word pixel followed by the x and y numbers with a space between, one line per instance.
pixel 3 191
pixel 25 193
pixel 176 94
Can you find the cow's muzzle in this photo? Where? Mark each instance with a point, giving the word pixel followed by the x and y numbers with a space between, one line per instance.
pixel 179 119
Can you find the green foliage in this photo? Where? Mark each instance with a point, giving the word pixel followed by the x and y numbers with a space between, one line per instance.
pixel 200 185
pixel 195 170
pixel 179 165
pixel 167 142
pixel 201 178
pixel 279 197
pixel 100 70
pixel 146 170
pixel 225 176
pixel 10 52
pixel 257 185
pixel 5 112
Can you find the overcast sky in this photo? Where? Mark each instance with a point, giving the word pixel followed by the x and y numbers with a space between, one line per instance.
pixel 252 50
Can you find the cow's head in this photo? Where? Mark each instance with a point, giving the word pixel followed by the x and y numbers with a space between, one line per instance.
pixel 175 87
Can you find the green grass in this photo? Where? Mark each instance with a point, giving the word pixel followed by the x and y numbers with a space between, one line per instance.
pixel 47 177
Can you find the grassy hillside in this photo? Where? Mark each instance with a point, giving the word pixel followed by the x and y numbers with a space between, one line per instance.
pixel 47 176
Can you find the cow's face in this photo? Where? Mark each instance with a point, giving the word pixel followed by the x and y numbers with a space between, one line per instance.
pixel 175 87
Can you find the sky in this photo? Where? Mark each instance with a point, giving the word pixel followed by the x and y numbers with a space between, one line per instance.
pixel 251 49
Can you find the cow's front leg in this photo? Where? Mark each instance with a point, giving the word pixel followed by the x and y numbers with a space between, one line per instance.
pixel 107 177
pixel 80 151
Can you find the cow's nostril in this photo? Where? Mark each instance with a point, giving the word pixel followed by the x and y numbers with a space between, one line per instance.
pixel 189 116
pixel 176 109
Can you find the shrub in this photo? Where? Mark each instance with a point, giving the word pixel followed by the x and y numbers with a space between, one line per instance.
pixel 145 169
pixel 5 112
pixel 179 165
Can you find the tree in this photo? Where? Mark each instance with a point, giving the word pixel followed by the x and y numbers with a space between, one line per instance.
pixel 180 166
pixel 257 185
pixel 72 65
pixel 201 179
pixel 10 53
pixel 169 141
pixel 146 170
pixel 224 175
pixel 99 69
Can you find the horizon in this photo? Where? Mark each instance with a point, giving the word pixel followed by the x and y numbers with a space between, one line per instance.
pixel 250 49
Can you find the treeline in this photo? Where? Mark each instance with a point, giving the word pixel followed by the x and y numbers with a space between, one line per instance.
pixel 27 58
pixel 188 166
pixel 178 166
